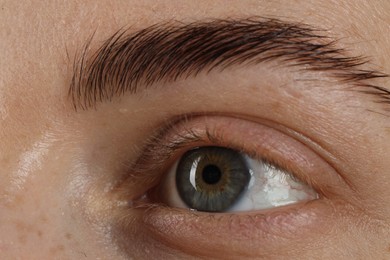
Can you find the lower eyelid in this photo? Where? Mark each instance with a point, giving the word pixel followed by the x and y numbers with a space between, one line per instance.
pixel 246 232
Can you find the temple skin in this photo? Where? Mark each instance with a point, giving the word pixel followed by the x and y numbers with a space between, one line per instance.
pixel 59 167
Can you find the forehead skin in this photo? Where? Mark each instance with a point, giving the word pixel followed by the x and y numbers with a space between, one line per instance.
pixel 38 42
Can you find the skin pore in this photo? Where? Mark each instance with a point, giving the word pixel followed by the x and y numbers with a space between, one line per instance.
pixel 72 180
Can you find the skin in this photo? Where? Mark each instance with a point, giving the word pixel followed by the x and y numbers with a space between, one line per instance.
pixel 58 166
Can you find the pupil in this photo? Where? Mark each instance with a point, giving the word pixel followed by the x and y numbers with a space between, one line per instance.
pixel 211 174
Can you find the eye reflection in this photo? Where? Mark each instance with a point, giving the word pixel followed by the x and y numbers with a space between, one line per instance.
pixel 217 179
pixel 211 178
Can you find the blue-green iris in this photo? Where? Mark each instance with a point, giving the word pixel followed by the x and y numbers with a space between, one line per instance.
pixel 212 178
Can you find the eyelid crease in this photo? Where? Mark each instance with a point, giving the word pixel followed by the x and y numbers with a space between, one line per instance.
pixel 157 152
pixel 165 150
pixel 172 50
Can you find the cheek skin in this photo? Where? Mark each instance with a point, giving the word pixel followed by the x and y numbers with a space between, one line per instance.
pixel 40 216
pixel 32 216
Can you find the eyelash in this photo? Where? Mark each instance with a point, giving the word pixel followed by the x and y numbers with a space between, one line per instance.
pixel 166 146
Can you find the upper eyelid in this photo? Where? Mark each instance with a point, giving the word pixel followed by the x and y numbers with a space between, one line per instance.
pixel 130 62
pixel 165 151
pixel 264 143
pixel 176 134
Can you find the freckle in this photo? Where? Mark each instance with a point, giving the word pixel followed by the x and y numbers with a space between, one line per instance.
pixel 43 219
pixel 4 161
pixel 39 233
pixel 57 249
pixel 22 239
pixel 68 236
pixel 20 226
pixel 19 200
pixel 16 202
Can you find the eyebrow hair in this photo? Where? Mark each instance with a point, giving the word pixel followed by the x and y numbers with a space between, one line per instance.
pixel 166 52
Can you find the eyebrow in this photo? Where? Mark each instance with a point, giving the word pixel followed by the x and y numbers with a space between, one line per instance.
pixel 129 62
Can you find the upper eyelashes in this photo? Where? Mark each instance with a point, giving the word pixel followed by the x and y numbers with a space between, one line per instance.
pixel 218 169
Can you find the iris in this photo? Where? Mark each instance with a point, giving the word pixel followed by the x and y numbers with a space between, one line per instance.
pixel 212 178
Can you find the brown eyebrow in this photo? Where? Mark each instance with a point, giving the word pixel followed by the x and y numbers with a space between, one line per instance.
pixel 165 52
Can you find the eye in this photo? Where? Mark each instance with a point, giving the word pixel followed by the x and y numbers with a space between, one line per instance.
pixel 207 164
pixel 201 180
pixel 218 179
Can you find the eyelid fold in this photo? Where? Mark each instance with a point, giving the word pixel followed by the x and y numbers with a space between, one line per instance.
pixel 253 138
